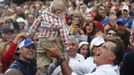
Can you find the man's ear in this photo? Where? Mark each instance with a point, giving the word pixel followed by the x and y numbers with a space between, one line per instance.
pixel 112 57
pixel 20 51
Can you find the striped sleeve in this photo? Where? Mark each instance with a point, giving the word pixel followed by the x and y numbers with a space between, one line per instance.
pixel 64 36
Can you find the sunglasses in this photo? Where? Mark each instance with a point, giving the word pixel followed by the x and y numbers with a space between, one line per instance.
pixel 111 34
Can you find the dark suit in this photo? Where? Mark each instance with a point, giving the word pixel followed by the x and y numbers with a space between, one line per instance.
pixel 127 67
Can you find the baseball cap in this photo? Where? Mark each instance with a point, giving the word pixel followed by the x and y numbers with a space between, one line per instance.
pixel 121 22
pixel 25 43
pixel 20 19
pixel 99 40
pixel 101 7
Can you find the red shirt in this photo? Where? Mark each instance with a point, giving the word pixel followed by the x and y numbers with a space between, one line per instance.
pixel 8 57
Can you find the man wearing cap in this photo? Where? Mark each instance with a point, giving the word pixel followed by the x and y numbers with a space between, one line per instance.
pixel 77 64
pixel 23 24
pixel 7 57
pixel 123 32
pixel 103 13
pixel 24 64
pixel 88 65
pixel 125 17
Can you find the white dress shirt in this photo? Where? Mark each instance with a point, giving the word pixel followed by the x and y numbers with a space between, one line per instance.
pixel 106 69
pixel 85 67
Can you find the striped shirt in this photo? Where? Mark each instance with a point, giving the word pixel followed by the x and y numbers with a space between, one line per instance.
pixel 50 25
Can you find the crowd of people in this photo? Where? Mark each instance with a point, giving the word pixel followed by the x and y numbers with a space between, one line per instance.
pixel 67 37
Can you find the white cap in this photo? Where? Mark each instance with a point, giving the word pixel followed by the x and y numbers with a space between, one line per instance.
pixel 97 41
pixel 125 7
pixel 20 19
pixel 83 43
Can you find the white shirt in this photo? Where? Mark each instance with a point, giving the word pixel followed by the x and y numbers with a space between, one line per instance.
pixel 72 63
pixel 106 69
pixel 85 67
pixel 117 69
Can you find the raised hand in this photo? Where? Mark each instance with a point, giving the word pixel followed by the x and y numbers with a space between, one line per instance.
pixel 52 52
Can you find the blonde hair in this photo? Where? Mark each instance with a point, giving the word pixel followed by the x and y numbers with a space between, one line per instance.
pixel 58 5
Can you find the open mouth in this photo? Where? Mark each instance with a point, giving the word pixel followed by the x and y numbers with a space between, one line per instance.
pixel 98 54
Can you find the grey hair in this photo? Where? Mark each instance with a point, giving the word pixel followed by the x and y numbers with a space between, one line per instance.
pixel 72 37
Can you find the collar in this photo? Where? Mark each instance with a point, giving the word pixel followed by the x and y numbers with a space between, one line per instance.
pixel 23 62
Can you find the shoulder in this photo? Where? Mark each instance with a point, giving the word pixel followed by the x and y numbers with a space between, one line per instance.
pixel 79 56
pixel 13 71
pixel 14 65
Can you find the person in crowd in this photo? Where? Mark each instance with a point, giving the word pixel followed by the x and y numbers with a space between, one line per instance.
pixel 125 16
pixel 51 27
pixel 24 64
pixel 131 45
pixel 7 37
pixel 8 56
pixel 110 33
pixel 30 19
pixel 84 49
pixel 74 57
pixel 131 23
pixel 123 32
pixel 1 68
pixel 127 64
pixel 77 33
pixel 89 30
pixel 112 22
pixel 23 24
pixel 103 13
pixel 75 23
pixel 111 53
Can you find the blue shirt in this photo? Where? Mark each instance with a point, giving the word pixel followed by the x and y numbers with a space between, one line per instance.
pixel 128 21
pixel 24 67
